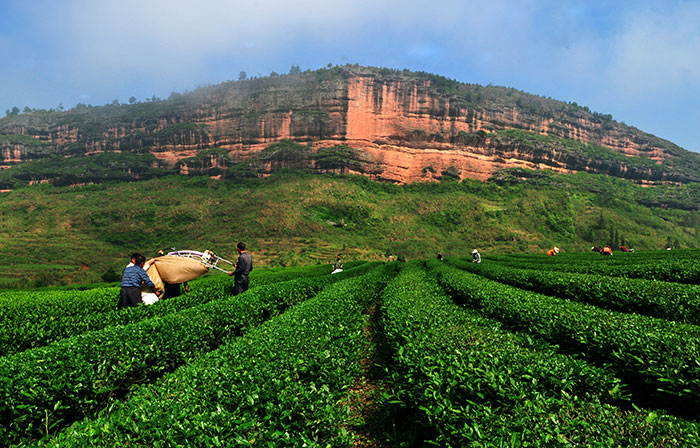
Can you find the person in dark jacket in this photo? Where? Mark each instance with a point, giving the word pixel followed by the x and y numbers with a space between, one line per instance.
pixel 132 277
pixel 243 267
pixel 171 290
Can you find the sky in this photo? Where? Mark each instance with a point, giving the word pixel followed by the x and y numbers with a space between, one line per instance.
pixel 636 60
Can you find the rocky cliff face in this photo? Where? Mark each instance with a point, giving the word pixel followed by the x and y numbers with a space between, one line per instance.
pixel 405 126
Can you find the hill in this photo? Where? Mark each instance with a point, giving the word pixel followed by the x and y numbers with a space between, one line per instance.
pixel 390 125
pixel 63 235
pixel 289 164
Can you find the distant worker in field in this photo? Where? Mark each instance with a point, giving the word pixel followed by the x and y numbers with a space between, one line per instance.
pixel 623 248
pixel 338 265
pixel 243 267
pixel 439 256
pixel 476 256
pixel 607 250
pixel 133 276
pixel 553 252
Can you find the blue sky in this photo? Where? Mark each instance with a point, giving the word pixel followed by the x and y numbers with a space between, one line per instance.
pixel 636 60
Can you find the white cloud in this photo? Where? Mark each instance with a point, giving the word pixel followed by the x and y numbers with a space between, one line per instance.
pixel 658 53
pixel 216 25
pixel 172 38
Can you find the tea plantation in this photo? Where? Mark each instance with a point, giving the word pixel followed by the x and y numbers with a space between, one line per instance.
pixel 577 350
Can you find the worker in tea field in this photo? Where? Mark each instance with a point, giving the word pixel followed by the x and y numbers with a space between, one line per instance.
pixel 476 256
pixel 133 259
pixel 607 250
pixel 243 267
pixel 132 277
pixel 171 290
pixel 338 265
pixel 553 252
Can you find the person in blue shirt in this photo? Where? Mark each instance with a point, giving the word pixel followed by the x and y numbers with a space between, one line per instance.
pixel 130 292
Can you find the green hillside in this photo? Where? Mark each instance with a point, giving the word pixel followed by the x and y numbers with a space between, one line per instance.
pixel 64 235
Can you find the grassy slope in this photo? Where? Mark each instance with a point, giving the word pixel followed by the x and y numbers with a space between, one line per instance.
pixel 66 235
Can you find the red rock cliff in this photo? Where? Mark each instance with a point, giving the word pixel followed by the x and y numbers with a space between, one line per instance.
pixel 407 126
